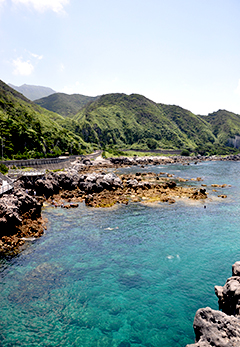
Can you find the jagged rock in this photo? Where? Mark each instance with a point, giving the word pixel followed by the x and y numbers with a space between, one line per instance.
pixel 229 294
pixel 132 183
pixel 170 184
pixel 12 208
pixel 48 185
pixel 215 329
pixel 87 162
pixel 236 269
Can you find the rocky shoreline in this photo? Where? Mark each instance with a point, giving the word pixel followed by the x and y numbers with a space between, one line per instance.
pixel 85 180
pixel 221 329
pixel 21 220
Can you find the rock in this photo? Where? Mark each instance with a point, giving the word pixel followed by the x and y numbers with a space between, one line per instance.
pixel 236 269
pixel 87 162
pixel 132 183
pixel 215 329
pixel 170 185
pixel 229 296
pixel 12 209
pixel 70 206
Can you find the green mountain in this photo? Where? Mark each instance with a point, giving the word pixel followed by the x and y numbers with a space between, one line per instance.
pixel 28 130
pixel 116 120
pixel 64 104
pixel 33 92
pixel 137 122
pixel 194 127
pixel 224 125
pixel 133 120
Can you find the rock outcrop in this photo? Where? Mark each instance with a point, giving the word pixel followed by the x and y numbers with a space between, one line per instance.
pixel 221 329
pixel 215 329
pixel 20 211
pixel 20 217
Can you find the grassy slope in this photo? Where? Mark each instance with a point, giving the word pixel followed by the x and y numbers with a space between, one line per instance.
pixel 27 128
pixel 129 120
pixel 64 104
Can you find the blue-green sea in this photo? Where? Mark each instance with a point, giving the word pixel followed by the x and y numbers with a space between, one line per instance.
pixel 124 276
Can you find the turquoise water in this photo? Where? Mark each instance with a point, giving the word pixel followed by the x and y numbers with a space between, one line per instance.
pixel 125 276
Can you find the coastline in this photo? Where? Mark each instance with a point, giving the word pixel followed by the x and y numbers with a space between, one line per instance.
pixel 66 189
pixel 89 181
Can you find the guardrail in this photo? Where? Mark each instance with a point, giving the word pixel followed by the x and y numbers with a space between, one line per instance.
pixel 37 162
pixel 7 187
pixel 63 161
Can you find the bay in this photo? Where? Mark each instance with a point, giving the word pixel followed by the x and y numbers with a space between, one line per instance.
pixel 124 276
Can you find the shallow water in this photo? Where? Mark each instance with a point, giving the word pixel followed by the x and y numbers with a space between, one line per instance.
pixel 124 276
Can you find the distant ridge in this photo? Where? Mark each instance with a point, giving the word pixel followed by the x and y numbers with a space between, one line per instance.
pixel 33 92
pixel 64 104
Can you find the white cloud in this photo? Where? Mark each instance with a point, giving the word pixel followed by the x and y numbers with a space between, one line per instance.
pixel 24 68
pixel 39 57
pixel 43 5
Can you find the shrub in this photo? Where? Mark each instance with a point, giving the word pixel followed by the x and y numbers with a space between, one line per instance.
pixel 185 152
pixel 3 169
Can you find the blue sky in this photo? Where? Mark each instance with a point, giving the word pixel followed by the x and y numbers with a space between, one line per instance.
pixel 185 53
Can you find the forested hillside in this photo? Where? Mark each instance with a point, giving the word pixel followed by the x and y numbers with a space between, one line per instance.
pixel 27 130
pixel 134 120
pixel 224 125
pixel 112 120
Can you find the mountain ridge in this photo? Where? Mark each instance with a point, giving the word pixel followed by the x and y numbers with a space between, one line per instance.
pixel 133 121
pixel 67 105
pixel 33 92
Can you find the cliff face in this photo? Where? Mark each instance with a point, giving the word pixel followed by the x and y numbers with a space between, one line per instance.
pixel 221 329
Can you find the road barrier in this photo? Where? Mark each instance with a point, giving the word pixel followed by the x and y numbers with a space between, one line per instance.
pixel 5 188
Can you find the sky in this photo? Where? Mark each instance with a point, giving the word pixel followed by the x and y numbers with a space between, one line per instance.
pixel 178 52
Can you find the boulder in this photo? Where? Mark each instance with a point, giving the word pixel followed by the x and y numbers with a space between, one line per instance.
pixel 12 209
pixel 215 329
pixel 236 269
pixel 229 296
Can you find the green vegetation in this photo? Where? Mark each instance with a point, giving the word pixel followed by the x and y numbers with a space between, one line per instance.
pixel 3 169
pixel 28 131
pixel 185 152
pixel 224 125
pixel 110 122
pixel 135 121
pixel 111 152
pixel 194 127
pixel 64 104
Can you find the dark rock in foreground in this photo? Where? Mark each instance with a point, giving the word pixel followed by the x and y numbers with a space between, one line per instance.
pixel 20 217
pixel 221 329
pixel 215 329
